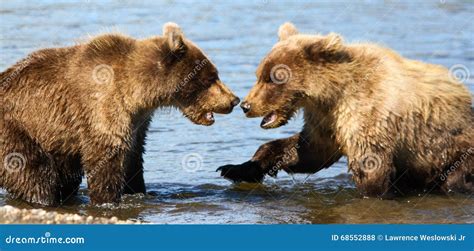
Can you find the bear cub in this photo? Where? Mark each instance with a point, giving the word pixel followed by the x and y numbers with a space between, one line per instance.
pixel 404 125
pixel 86 109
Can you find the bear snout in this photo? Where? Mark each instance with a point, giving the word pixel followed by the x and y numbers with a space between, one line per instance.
pixel 235 102
pixel 245 106
pixel 228 107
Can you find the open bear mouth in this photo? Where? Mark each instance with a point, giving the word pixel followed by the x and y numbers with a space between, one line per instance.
pixel 277 118
pixel 268 120
pixel 272 120
pixel 203 118
pixel 209 117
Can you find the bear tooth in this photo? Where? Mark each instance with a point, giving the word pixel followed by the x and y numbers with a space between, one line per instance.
pixel 273 117
pixel 269 119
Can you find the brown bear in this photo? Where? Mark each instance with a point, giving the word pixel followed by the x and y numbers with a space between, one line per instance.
pixel 86 108
pixel 404 125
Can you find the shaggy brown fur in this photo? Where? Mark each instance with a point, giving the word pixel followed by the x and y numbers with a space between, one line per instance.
pixel 402 124
pixel 88 107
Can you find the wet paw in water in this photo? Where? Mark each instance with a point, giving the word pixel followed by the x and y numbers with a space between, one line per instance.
pixel 246 172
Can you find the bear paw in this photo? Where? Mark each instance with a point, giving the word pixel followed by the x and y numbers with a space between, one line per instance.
pixel 246 172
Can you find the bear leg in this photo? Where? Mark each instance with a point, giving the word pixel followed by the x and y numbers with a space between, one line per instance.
pixel 70 177
pixel 104 167
pixel 296 154
pixel 459 176
pixel 372 173
pixel 26 171
pixel 269 158
pixel 135 182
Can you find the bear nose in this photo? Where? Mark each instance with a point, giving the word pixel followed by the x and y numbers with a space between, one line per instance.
pixel 245 106
pixel 235 102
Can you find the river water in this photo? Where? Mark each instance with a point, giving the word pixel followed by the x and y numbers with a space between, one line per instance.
pixel 236 35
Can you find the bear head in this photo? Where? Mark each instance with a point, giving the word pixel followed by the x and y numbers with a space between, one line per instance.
pixel 296 72
pixel 183 77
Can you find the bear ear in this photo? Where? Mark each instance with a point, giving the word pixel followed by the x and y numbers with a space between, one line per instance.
pixel 330 48
pixel 174 37
pixel 334 40
pixel 286 30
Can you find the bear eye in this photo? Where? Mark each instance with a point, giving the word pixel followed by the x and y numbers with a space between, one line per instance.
pixel 212 80
pixel 268 80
